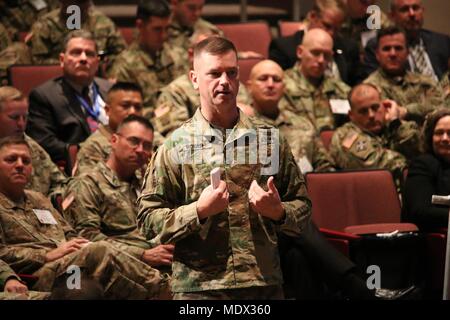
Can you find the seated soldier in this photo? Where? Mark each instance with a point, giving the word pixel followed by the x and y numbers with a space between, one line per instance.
pixel 35 239
pixel 266 89
pixel 375 138
pixel 46 177
pixel 101 202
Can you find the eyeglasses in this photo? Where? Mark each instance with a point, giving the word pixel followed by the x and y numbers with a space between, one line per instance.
pixel 134 142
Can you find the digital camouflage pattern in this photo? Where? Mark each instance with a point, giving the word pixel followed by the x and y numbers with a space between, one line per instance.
pixel 26 241
pixel 314 102
pixel 419 94
pixel 104 208
pixel 353 148
pixel 307 147
pixel 180 100
pixel 445 85
pixel 48 33
pixel 46 177
pixel 150 73
pixel 236 248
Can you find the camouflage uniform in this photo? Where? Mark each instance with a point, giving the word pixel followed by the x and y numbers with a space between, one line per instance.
pixel 46 177
pixel 306 146
pixel 353 148
pixel 6 273
pixel 48 33
pixel 104 208
pixel 180 100
pixel 26 241
pixel 236 248
pixel 314 102
pixel 179 37
pixel 19 17
pixel 445 85
pixel 11 53
pixel 419 94
pixel 150 73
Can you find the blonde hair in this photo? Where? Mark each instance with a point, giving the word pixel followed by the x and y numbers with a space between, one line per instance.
pixel 8 93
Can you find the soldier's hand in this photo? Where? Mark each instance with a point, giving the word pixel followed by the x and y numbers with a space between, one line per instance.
pixel 161 255
pixel 266 203
pixel 15 286
pixel 212 201
pixel 392 110
pixel 66 248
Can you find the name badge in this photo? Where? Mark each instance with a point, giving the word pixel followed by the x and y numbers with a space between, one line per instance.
pixel 366 36
pixel 45 216
pixel 304 165
pixel 38 4
pixel 339 106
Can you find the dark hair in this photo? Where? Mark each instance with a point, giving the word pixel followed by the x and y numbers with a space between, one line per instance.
pixel 83 34
pixel 134 118
pixel 125 86
pixel 389 31
pixel 428 127
pixel 215 46
pixel 13 140
pixel 352 91
pixel 152 8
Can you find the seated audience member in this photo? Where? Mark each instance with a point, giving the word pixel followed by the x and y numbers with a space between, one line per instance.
pixel 123 99
pixel 327 15
pixel 266 88
pixel 47 35
pixel 375 137
pixel 36 240
pixel 179 100
pixel 311 90
pixel 149 61
pixel 46 177
pixel 416 94
pixel 101 202
pixel 66 110
pixel 428 51
pixel 429 174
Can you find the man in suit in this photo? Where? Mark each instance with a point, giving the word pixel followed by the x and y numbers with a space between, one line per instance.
pixel 428 51
pixel 64 111
pixel 329 16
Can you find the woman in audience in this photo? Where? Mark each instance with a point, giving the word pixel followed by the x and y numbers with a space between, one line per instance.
pixel 429 174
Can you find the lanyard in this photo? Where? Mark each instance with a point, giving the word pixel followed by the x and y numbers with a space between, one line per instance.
pixel 95 112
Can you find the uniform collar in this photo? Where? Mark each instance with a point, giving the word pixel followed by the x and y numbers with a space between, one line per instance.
pixel 112 178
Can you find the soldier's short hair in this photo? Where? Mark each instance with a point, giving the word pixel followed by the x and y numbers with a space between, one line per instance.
pixel 152 8
pixel 352 91
pixel 13 140
pixel 428 127
pixel 125 86
pixel 389 31
pixel 8 93
pixel 214 46
pixel 135 118
pixel 322 5
pixel 83 34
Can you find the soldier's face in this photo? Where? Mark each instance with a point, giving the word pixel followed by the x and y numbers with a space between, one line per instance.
pixel 122 104
pixel 216 77
pixel 153 33
pixel 328 20
pixel 187 12
pixel 315 57
pixel 15 168
pixel 80 61
pixel 13 117
pixel 392 53
pixel 367 111
pixel 408 14
pixel 266 84
pixel 132 145
pixel 441 138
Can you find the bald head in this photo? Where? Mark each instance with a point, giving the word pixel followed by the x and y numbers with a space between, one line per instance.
pixel 315 53
pixel 266 86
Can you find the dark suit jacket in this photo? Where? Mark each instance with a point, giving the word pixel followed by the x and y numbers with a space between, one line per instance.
pixel 283 50
pixel 437 46
pixel 56 118
pixel 427 176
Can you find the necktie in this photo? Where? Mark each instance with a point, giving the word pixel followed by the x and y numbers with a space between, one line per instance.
pixel 93 125
pixel 421 64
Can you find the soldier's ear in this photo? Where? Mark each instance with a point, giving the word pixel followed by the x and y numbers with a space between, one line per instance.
pixel 61 59
pixel 299 51
pixel 194 79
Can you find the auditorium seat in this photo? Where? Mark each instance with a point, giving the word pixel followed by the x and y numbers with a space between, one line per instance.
pixel 27 77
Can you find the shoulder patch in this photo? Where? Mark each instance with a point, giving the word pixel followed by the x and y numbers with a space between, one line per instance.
pixel 349 140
